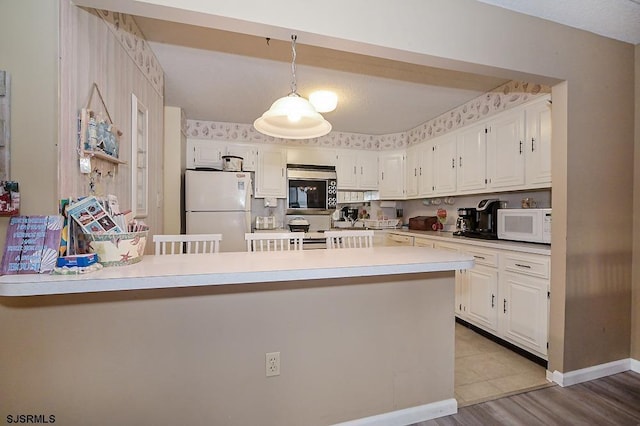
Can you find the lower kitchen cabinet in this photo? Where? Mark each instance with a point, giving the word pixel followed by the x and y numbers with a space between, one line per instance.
pixel 482 296
pixel 506 294
pixel 524 310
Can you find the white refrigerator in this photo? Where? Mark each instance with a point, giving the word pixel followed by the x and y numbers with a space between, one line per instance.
pixel 219 203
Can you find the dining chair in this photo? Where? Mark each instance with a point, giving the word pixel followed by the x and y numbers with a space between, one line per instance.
pixel 349 239
pixel 273 241
pixel 187 243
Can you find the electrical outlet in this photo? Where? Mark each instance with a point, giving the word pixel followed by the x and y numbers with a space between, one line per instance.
pixel 272 364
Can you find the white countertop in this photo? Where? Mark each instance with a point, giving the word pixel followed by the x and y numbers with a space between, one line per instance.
pixel 169 271
pixel 532 248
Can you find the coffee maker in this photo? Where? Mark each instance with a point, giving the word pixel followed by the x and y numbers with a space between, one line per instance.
pixel 466 220
pixel 486 220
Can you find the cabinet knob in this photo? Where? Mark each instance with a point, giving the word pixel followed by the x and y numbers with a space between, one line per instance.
pixel 504 306
pixel 493 300
pixel 533 146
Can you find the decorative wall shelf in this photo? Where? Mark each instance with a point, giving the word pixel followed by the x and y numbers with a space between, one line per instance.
pixel 98 137
pixel 103 156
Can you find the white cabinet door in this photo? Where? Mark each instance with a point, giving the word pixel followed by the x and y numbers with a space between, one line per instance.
pixel 483 296
pixel 367 170
pixel 538 146
pixel 357 169
pixel 523 307
pixel 205 153
pixel 346 169
pixel 425 170
pixel 472 159
pixel 391 182
pixel 461 282
pixel 413 172
pixel 271 179
pixel 444 164
pixel 505 150
pixel 249 154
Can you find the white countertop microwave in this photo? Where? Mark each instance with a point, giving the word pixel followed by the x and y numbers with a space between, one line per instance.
pixel 529 225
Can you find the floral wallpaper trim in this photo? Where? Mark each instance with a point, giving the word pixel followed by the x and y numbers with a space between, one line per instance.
pixel 502 98
pixel 132 40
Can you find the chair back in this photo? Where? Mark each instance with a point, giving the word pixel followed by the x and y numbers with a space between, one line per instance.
pixel 187 243
pixel 349 239
pixel 273 241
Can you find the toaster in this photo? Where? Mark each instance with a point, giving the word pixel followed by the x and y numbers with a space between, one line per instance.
pixel 423 223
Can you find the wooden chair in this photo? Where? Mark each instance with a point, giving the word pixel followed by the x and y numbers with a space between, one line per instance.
pixel 187 243
pixel 349 239
pixel 274 241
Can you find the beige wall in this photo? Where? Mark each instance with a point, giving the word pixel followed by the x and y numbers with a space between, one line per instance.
pixel 175 146
pixel 635 326
pixel 31 59
pixel 196 356
pixel 594 166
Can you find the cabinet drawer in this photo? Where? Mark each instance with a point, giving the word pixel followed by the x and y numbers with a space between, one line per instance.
pixel 483 257
pixel 445 246
pixel 399 240
pixel 537 266
pixel 422 242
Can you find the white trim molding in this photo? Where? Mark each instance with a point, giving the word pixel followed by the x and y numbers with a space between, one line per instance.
pixel 408 416
pixel 594 372
pixel 635 365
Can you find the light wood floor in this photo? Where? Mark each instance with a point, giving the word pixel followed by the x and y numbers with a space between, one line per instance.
pixel 613 400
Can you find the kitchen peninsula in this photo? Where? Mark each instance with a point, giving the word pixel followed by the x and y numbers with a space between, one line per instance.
pixel 182 339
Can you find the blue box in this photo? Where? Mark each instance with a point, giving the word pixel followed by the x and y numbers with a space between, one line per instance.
pixel 77 260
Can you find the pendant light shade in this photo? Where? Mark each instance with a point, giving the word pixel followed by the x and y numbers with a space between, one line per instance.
pixel 292 116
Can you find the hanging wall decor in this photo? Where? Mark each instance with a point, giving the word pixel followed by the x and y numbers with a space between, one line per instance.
pixel 97 134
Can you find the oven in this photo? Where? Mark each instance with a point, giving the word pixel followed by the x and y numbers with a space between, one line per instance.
pixel 311 189
pixel 318 223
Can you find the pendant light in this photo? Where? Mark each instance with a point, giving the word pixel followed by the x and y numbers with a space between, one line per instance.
pixel 292 116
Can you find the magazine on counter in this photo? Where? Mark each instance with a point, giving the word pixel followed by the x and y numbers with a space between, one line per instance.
pixel 92 217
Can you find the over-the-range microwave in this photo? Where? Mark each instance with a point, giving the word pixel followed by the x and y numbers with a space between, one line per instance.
pixel 529 225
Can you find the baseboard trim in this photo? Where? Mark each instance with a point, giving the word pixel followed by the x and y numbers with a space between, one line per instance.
pixel 591 373
pixel 408 416
pixel 635 365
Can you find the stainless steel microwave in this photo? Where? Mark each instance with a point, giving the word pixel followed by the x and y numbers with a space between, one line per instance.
pixel 529 225
pixel 311 189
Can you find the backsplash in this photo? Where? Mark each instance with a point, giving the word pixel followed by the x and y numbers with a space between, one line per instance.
pixel 502 98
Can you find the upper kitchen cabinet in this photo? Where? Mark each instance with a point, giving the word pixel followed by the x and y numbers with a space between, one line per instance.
pixel 208 154
pixel 392 174
pixel 505 150
pixel 412 168
pixel 538 145
pixel 357 169
pixel 271 179
pixel 249 154
pixel 313 156
pixel 444 164
pixel 419 171
pixel 205 153
pixel 471 151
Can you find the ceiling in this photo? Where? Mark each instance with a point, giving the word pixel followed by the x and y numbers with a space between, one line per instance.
pixel 217 75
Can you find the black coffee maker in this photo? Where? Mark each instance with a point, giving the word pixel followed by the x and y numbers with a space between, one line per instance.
pixel 486 220
pixel 466 221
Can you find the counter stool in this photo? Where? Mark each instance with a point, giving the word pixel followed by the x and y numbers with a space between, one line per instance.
pixel 187 243
pixel 349 239
pixel 274 241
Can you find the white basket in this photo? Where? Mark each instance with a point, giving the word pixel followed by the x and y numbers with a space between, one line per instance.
pixel 381 224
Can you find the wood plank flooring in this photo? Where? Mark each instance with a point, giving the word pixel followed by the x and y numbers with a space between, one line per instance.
pixel 613 400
